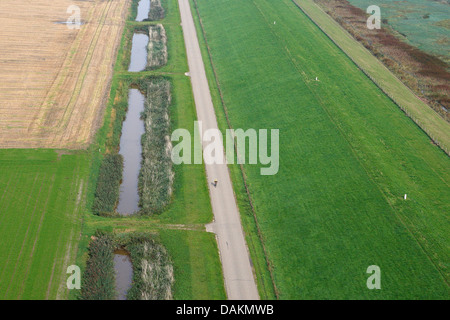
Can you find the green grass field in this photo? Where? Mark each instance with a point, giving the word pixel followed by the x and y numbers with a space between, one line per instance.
pixel 348 154
pixel 41 205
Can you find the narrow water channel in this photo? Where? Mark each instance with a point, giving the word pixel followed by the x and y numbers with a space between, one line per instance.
pixel 143 10
pixel 139 53
pixel 124 273
pixel 131 150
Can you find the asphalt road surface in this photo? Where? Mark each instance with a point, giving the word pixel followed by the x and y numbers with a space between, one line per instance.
pixel 239 279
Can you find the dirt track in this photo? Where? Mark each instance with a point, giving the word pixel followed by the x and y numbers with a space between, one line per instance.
pixel 54 81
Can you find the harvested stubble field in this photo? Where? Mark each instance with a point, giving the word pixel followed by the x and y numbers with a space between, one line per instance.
pixel 54 80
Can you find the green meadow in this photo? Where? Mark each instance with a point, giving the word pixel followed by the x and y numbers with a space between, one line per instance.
pixel 348 155
pixel 42 195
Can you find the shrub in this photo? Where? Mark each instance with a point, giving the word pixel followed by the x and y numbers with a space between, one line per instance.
pixel 156 175
pixel 108 184
pixel 153 270
pixel 98 281
pixel 156 11
pixel 157 47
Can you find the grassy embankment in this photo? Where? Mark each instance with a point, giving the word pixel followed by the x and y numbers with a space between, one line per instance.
pixel 180 227
pixel 348 154
pixel 425 117
pixel 425 74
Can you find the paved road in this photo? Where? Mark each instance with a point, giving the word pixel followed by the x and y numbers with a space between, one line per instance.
pixel 239 280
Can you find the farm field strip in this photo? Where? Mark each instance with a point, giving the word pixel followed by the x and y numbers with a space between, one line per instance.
pixel 35 221
pixel 56 94
pixel 347 157
pixel 40 218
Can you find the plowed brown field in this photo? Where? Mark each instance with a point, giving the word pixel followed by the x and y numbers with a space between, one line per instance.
pixel 54 80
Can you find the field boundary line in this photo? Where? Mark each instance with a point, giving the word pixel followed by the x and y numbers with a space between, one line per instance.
pixel 244 177
pixel 422 106
pixel 75 237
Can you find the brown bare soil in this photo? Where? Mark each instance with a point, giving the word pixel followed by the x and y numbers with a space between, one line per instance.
pixel 54 81
pixel 428 76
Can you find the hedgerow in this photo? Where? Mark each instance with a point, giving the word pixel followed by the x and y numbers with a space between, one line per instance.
pixel 157 47
pixel 152 269
pixel 108 184
pixel 156 175
pixel 156 11
pixel 98 282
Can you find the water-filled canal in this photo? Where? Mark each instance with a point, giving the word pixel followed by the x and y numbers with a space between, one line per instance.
pixel 143 10
pixel 124 273
pixel 131 150
pixel 139 52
